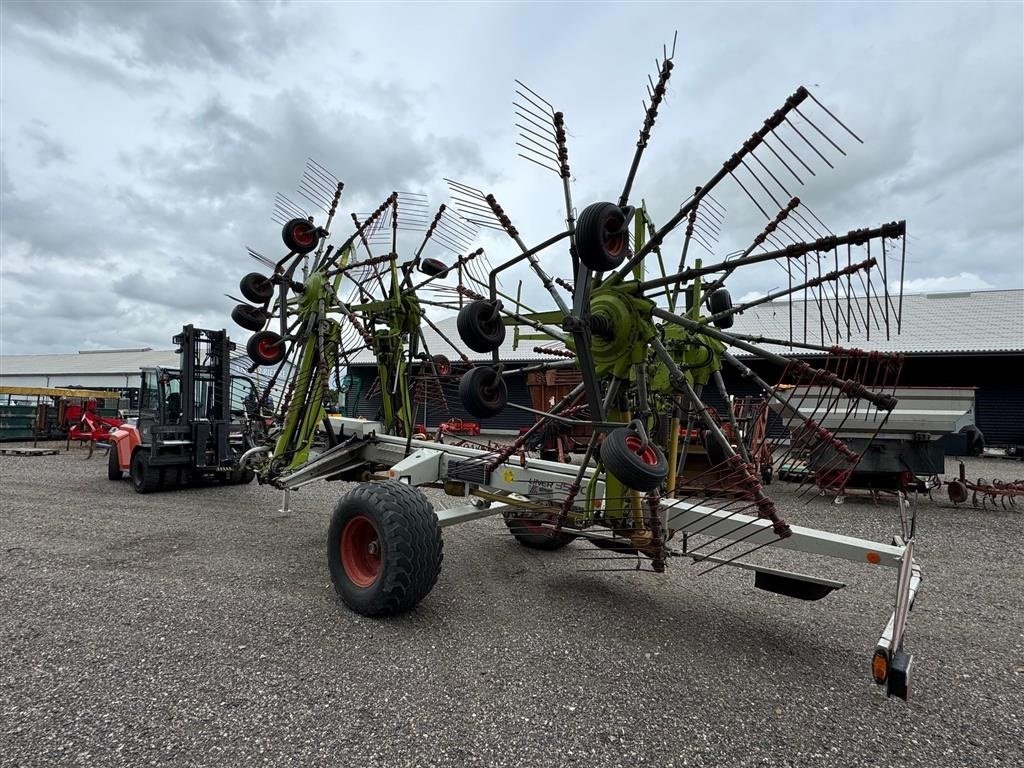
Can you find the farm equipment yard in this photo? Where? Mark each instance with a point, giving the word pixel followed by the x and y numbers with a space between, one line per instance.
pixel 201 627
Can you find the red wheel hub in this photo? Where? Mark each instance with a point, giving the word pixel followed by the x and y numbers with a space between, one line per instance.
pixel 360 551
pixel 614 240
pixel 303 234
pixel 647 455
pixel 267 349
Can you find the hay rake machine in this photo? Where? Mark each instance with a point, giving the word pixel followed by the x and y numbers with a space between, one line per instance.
pixel 648 343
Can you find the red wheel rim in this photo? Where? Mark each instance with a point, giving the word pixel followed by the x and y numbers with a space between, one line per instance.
pixel 647 455
pixel 267 349
pixel 360 551
pixel 614 241
pixel 303 234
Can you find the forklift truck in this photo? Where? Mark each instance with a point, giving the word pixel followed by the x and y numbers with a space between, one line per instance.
pixel 191 424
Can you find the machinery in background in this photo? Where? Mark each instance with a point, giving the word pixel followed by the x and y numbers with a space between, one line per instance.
pixel 191 419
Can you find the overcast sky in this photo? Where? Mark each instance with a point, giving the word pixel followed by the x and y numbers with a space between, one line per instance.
pixel 142 144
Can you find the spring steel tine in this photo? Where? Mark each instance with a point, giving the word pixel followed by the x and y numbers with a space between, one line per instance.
pixel 323 170
pixel 823 134
pixel 734 559
pixel 544 153
pixel 453 236
pixel 465 187
pixel 762 185
pixel 540 120
pixel 315 202
pixel 286 202
pixel 808 143
pixel 828 112
pixel 903 262
pixel 457 222
pixel 784 163
pixel 708 197
pixel 752 198
pixel 550 140
pixel 259 257
pixel 794 154
pixel 536 95
pixel 733 543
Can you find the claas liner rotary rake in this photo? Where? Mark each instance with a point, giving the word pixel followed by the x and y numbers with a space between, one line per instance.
pixel 647 342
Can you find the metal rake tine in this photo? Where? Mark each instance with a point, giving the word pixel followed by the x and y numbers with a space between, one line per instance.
pixel 828 112
pixel 732 543
pixel 734 559
pixel 823 134
pixel 536 95
pixel 784 163
pixel 808 143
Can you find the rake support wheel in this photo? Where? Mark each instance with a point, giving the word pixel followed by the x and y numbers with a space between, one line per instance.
pixel 300 236
pixel 480 326
pixel 433 268
pixel 636 466
pixel 602 239
pixel 266 348
pixel 256 288
pixel 384 548
pixel 249 317
pixel 483 392
pixel 721 301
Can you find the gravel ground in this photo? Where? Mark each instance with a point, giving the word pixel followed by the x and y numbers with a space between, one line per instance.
pixel 200 628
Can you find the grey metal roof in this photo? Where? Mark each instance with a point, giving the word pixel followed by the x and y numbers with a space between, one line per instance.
pixel 932 323
pixel 87 362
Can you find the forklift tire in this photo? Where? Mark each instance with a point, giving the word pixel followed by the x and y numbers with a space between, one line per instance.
pixel 602 240
pixel 721 301
pixel 531 534
pixel 384 548
pixel 480 326
pixel 265 348
pixel 145 479
pixel 300 236
pixel 643 471
pixel 249 317
pixel 256 288
pixel 483 392
pixel 113 465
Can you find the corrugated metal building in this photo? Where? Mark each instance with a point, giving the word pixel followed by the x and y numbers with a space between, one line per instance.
pixel 964 339
pixel 96 369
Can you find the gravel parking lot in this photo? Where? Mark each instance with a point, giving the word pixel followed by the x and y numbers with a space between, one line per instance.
pixel 200 627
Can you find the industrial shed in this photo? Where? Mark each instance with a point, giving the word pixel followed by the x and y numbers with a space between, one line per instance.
pixel 116 369
pixel 964 339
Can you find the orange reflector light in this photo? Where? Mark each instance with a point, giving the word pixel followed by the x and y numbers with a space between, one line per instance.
pixel 874 558
pixel 880 666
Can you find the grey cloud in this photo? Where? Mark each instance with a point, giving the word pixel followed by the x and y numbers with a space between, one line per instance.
pixel 164 34
pixel 46 149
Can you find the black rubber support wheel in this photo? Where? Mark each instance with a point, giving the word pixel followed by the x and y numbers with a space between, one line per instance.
pixel 529 532
pixel 602 240
pixel 265 348
pixel 721 301
pixel 442 365
pixel 113 465
pixel 384 548
pixel 249 317
pixel 480 326
pixel 433 267
pixel 642 470
pixel 482 392
pixel 300 236
pixel 716 453
pixel 145 479
pixel 256 288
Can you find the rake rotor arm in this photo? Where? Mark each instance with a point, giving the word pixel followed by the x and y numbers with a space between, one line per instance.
pixel 756 139
pixel 796 250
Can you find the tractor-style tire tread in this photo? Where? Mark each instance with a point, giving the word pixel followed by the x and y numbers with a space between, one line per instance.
pixel 411 547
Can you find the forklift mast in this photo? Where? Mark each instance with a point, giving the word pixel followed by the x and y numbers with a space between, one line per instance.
pixel 206 390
